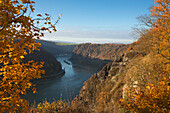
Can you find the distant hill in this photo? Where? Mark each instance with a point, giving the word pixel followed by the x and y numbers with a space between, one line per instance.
pixel 51 65
pixel 56 48
pixel 47 54
pixel 97 55
pixel 100 51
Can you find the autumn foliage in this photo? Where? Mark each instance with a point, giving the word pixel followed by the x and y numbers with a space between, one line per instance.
pixel 18 34
pixel 154 95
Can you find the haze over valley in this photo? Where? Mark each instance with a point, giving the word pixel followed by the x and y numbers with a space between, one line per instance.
pixel 84 56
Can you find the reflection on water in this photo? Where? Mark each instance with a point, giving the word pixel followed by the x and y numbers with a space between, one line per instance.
pixel 69 84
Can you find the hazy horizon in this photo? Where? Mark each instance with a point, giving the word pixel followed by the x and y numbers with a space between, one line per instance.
pixel 93 21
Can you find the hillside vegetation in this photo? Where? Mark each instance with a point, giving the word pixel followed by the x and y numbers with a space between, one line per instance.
pixel 18 34
pixel 56 48
pixel 140 81
pixel 100 51
pixel 51 65
pixel 137 80
pixel 102 92
pixel 137 83
pixel 97 55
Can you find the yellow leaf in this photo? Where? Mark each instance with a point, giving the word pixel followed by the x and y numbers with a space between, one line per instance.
pixel 22 57
pixel 34 91
pixel 15 59
pixel 168 87
pixel 10 55
pixel 147 87
pixel 5 63
pixel 18 12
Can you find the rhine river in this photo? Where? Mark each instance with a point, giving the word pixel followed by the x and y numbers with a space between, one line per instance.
pixel 65 87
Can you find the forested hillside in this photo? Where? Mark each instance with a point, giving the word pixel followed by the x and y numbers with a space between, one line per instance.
pixel 97 55
pixel 138 82
pixel 100 51
pixel 102 92
pixel 136 79
pixel 51 65
pixel 55 48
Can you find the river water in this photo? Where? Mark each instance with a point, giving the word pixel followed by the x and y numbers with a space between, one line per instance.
pixel 65 87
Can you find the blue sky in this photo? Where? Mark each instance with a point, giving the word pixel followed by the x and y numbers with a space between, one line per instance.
pixel 95 21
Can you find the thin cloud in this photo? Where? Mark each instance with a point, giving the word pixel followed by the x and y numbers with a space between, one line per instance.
pixel 80 35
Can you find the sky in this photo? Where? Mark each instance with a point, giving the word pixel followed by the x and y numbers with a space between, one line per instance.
pixel 94 21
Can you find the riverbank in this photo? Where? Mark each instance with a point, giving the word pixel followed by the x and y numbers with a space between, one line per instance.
pixel 68 82
pixel 45 77
pixel 56 75
pixel 88 61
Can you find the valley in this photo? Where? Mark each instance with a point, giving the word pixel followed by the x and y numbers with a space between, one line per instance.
pixel 99 60
pixel 71 81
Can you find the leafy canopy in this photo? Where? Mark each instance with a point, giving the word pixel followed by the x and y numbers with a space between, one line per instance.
pixel 18 34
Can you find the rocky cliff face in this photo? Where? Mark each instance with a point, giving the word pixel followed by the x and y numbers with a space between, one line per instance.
pixel 100 51
pixel 101 93
pixel 97 55
pixel 51 65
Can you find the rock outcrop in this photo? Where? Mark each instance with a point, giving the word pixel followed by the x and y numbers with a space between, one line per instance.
pixel 105 87
pixel 100 51
pixel 97 55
